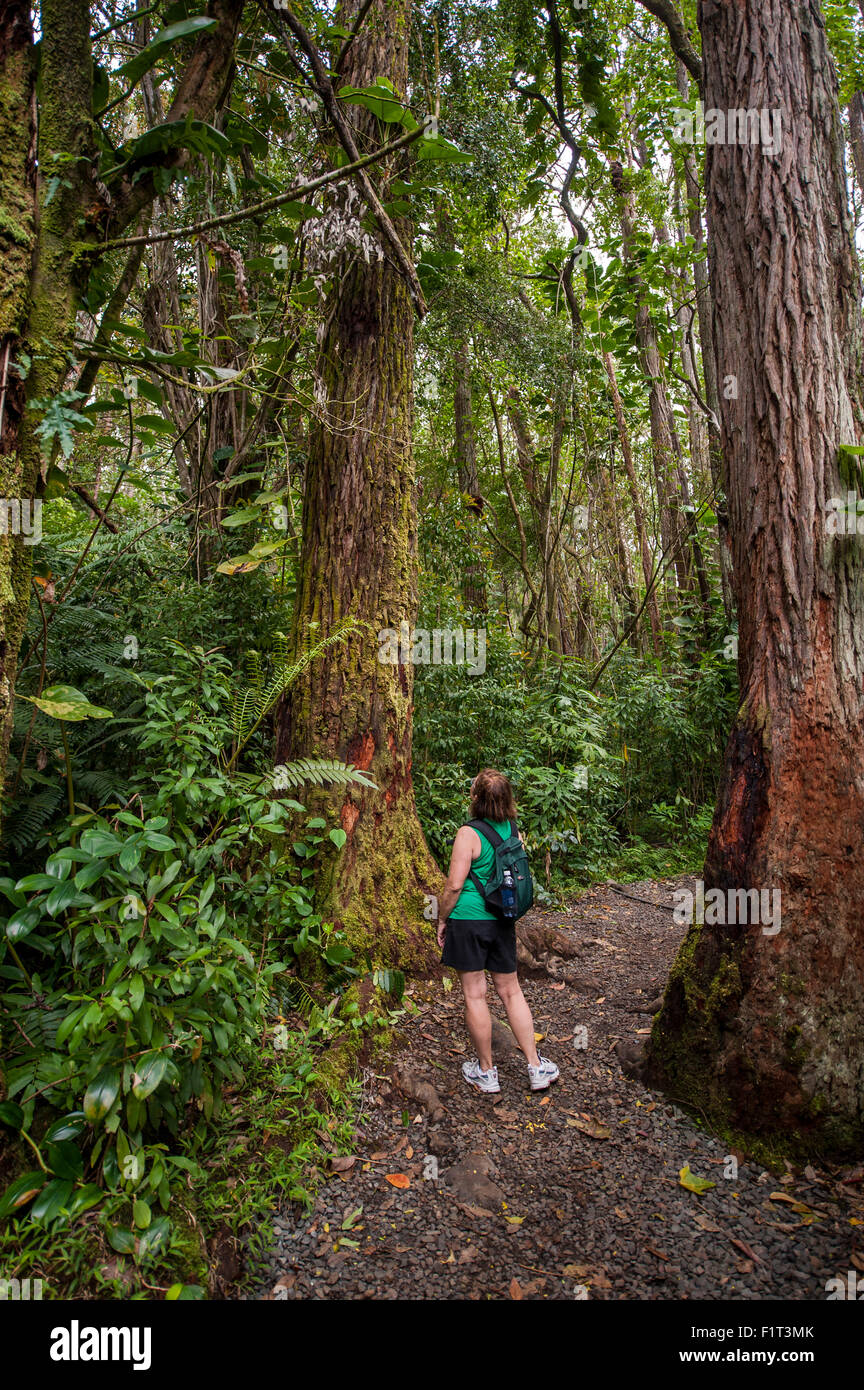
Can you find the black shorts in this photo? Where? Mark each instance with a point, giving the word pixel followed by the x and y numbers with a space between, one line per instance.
pixel 480 946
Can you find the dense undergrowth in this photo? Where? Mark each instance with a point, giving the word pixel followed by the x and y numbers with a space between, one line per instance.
pixel 179 1027
pixel 617 780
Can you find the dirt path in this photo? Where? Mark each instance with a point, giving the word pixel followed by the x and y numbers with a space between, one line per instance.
pixel 569 1193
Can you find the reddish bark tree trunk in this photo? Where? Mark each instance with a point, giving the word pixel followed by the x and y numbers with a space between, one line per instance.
pixel 763 1029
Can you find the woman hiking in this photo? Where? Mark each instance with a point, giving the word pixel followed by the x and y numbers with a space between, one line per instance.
pixel 475 939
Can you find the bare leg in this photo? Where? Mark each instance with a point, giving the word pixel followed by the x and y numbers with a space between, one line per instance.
pixel 518 1014
pixel 477 1014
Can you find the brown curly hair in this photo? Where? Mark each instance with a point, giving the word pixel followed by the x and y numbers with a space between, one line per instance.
pixel 492 796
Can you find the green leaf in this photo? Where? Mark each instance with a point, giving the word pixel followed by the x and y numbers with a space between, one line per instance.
pixel 64 1159
pixel 150 1071
pixel 22 922
pixel 692 1182
pixel 11 1114
pixel 101 843
pixel 61 898
pixel 83 1198
pixel 170 135
pixel 68 1128
pixel 53 1197
pixel 141 1214
pixel 130 856
pixel 440 148
pixel 155 841
pixel 136 992
pixel 122 1240
pixel 21 1191
pixel 338 953
pixel 154 1238
pixel 338 837
pixel 101 1094
pixel 135 68
pixel 33 882
pixel 185 1293
pixel 379 98
pixel 65 702
pixel 86 877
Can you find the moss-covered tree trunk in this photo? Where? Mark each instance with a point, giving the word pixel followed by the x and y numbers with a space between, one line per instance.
pixel 17 235
pixel 54 214
pixel 37 222
pixel 763 1022
pixel 359 556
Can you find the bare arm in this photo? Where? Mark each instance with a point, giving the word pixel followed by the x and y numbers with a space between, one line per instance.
pixel 466 848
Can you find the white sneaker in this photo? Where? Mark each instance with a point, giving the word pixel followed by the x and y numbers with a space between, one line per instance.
pixel 483 1080
pixel 541 1077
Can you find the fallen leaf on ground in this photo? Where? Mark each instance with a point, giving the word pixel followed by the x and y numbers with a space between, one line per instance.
pixel 692 1181
pixel 561 986
pixel 515 1288
pixel 450 1260
pixel 515 1220
pixel 592 1128
pixel 745 1249
pixel 398 1179
pixel 652 1250
pixel 705 1223
pixel 340 1163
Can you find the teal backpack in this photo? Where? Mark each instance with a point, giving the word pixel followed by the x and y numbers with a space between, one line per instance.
pixel 509 890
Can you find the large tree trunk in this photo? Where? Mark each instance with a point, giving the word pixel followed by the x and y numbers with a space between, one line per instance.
pixel 709 360
pixel 762 1028
pixel 359 556
pixel 45 265
pixel 17 234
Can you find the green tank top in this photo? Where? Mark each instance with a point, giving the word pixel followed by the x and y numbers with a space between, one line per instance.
pixel 470 906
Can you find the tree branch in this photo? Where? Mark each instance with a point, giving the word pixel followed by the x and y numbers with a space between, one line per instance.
pixel 669 14
pixel 254 209
pixel 325 90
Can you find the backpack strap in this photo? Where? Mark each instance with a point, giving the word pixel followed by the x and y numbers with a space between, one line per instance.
pixel 490 834
pixel 488 831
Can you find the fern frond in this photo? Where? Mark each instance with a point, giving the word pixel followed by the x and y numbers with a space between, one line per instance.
pixel 252 705
pixel 318 772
